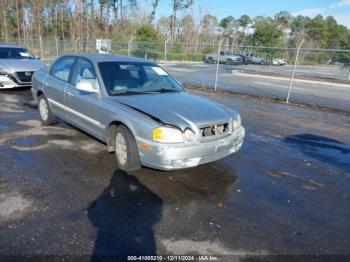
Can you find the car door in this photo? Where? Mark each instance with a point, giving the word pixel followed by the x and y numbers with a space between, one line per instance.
pixel 55 85
pixel 83 109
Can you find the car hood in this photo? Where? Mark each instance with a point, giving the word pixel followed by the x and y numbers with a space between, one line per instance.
pixel 179 109
pixel 19 65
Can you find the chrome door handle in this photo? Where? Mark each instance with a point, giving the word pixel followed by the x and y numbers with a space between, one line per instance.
pixel 70 94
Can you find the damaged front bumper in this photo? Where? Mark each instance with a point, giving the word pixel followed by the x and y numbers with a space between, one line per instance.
pixel 179 156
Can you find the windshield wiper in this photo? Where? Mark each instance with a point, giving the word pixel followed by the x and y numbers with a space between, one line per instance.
pixel 165 90
pixel 131 92
pixel 137 92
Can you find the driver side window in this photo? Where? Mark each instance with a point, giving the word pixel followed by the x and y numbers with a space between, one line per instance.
pixel 83 70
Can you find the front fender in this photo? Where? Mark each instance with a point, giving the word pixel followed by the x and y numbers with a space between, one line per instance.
pixel 140 125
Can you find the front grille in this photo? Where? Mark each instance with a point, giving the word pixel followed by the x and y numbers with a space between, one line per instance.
pixel 217 130
pixel 25 77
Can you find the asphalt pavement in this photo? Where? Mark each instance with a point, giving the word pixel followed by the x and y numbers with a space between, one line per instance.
pixel 286 192
pixel 233 78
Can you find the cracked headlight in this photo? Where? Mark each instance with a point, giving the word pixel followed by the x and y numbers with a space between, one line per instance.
pixel 167 134
pixel 236 123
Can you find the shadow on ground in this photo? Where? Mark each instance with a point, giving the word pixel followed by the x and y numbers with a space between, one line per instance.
pixel 124 215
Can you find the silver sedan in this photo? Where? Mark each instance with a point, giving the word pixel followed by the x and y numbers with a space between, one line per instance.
pixel 17 66
pixel 136 108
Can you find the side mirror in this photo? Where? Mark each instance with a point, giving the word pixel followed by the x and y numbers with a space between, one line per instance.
pixel 87 86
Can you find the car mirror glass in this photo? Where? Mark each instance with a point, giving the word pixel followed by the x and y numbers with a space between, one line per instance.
pixel 88 85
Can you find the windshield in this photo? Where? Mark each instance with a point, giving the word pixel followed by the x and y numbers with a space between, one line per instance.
pixel 127 77
pixel 15 53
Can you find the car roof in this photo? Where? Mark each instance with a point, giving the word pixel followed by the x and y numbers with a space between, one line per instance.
pixel 11 46
pixel 108 58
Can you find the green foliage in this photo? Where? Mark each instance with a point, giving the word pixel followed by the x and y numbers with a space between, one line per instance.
pixel 267 33
pixel 92 19
pixel 317 58
pixel 283 19
pixel 185 57
pixel 227 22
pixel 208 50
pixel 147 33
pixel 148 37
pixel 245 20
pixel 317 30
pixel 177 48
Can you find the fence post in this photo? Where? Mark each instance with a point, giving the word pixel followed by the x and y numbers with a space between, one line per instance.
pixel 166 49
pixel 41 47
pixel 293 72
pixel 217 64
pixel 349 74
pixel 130 45
pixel 76 43
pixel 56 40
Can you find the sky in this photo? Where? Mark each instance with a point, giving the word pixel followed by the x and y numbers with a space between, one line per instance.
pixel 340 9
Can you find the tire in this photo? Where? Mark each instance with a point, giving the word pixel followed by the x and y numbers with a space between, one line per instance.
pixel 210 60
pixel 126 152
pixel 229 62
pixel 46 115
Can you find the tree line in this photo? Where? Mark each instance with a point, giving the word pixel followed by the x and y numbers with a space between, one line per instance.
pixel 122 19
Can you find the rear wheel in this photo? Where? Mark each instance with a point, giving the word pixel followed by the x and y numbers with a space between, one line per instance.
pixel 210 60
pixel 47 117
pixel 126 152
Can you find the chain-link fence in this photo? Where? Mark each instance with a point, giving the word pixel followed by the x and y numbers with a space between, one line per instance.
pixel 318 77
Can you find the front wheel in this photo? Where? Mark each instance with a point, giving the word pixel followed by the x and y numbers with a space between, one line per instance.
pixel 47 117
pixel 126 152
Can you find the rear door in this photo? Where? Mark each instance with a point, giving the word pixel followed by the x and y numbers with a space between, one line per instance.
pixel 55 84
pixel 83 109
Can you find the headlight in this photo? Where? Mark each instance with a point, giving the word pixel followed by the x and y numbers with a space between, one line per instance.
pixel 236 123
pixel 166 134
pixel 189 135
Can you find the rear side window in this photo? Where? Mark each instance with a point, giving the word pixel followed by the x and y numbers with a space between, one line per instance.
pixel 83 70
pixel 62 68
